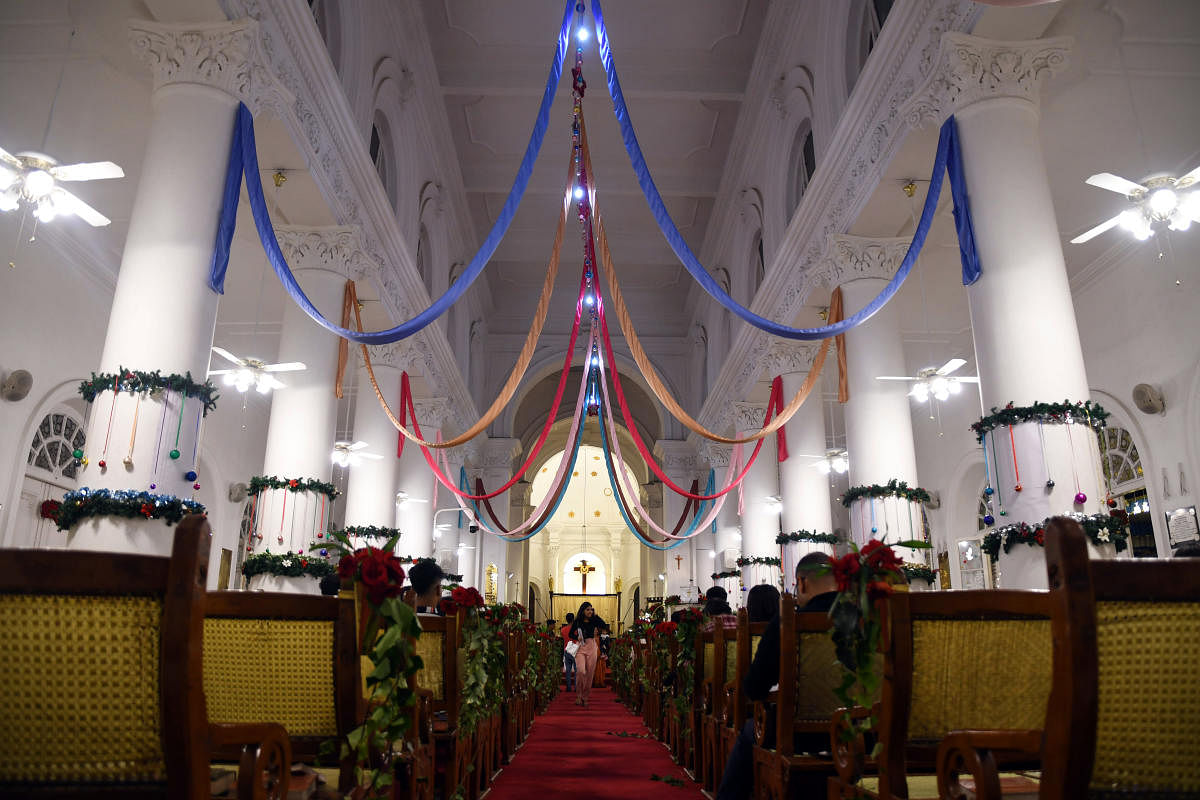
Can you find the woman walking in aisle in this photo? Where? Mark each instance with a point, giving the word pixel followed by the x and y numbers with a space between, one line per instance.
pixel 586 630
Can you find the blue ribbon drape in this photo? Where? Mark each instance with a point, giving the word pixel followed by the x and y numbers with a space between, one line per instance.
pixel 947 145
pixel 243 160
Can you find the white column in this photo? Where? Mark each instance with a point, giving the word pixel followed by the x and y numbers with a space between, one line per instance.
pixel 1022 316
pixel 163 313
pixel 414 507
pixel 679 463
pixel 804 488
pixel 447 533
pixel 371 485
pixel 496 468
pixel 728 540
pixel 760 514
pixel 879 436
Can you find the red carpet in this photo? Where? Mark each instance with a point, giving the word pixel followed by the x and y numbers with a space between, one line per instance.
pixel 570 753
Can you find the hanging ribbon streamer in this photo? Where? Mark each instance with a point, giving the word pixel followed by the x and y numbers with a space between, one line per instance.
pixel 137 407
pixel 947 152
pixel 162 426
pixel 112 408
pixel 836 314
pixel 1016 470
pixel 349 304
pixel 244 160
pixel 1045 460
pixel 996 462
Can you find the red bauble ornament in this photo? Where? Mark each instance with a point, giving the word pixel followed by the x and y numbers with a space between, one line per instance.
pixel 1112 503
pixel 102 463
pixel 1018 488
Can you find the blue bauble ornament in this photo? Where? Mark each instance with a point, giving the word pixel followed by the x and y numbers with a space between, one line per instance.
pixel 989 491
pixel 874 530
pixel 190 475
pixel 988 519
pixel 324 552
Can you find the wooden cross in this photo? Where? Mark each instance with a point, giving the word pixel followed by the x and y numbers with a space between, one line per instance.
pixel 583 569
pixel 678 561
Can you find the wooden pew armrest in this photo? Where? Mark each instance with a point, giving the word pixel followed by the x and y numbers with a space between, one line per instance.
pixel 266 763
pixel 847 744
pixel 974 752
pixel 423 718
pixel 760 711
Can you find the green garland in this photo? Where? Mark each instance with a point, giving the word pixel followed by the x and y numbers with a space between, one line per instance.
pixel 918 572
pixel 893 488
pixel 260 483
pixel 1092 414
pixel 371 531
pixel 769 561
pixel 806 536
pixel 732 573
pixel 84 503
pixel 136 381
pixel 1100 529
pixel 288 565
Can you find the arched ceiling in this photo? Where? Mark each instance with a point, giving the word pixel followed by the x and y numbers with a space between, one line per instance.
pixel 589 497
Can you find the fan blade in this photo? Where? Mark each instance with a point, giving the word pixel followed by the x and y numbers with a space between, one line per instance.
pixel 950 366
pixel 91 171
pixel 1096 231
pixel 67 203
pixel 1115 183
pixel 273 382
pixel 894 378
pixel 1187 180
pixel 368 455
pixel 220 371
pixel 359 445
pixel 967 380
pixel 228 356
pixel 290 366
pixel 11 160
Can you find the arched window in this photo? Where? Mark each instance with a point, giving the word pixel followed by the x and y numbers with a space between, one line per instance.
pixel 53 447
pixel 325 16
pixel 866 21
pixel 1122 464
pixel 802 163
pixel 381 157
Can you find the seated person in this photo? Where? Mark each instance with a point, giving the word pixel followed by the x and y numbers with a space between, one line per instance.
pixel 330 585
pixel 762 603
pixel 816 589
pixel 426 578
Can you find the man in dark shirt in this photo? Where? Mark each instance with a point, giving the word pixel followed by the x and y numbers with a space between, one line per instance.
pixel 816 590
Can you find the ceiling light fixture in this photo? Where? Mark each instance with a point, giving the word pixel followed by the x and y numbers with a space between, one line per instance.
pixel 582 33
pixel 1157 202
pixel 347 454
pixel 31 180
pixel 835 460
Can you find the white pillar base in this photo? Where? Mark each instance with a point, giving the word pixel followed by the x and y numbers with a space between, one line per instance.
pixel 301 584
pixel 150 537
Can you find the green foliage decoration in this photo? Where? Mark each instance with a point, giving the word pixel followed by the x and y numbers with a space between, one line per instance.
pixel 893 488
pixel 84 503
pixel 260 483
pixel 806 536
pixel 290 565
pixel 137 381
pixel 1087 412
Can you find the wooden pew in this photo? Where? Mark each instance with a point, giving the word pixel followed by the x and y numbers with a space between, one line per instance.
pixel 735 708
pixel 1124 712
pixel 952 661
pixel 441 676
pixel 705 699
pixel 288 658
pixel 103 689
pixel 808 674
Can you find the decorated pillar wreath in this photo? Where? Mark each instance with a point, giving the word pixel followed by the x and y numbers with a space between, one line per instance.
pixel 890 512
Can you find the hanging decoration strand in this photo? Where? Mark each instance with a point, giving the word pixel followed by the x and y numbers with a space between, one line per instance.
pixel 112 408
pixel 244 159
pixel 947 152
pixel 1012 440
pixel 137 407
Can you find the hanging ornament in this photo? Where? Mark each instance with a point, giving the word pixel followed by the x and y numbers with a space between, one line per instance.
pixel 128 462
pixel 989 491
pixel 190 475
pixel 1080 498
pixel 1112 503
pixel 77 453
pixel 84 461
pixel 279 539
pixel 1016 470
pixel 174 454
pixel 324 552
pixel 195 486
pixel 1045 462
pixel 153 486
pixel 989 520
pixel 102 464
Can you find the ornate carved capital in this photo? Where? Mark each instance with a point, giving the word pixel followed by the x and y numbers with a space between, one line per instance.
pixel 786 357
pixel 433 412
pixel 335 248
pixel 749 416
pixel 717 455
pixel 852 257
pixel 403 355
pixel 969 69
pixel 676 455
pixel 224 55
pixel 497 454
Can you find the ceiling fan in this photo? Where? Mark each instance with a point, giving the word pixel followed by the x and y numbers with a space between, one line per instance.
pixel 1158 201
pixel 253 372
pixel 347 454
pixel 33 179
pixel 935 381
pixel 402 497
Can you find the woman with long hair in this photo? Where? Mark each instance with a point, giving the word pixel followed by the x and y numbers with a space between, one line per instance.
pixel 586 630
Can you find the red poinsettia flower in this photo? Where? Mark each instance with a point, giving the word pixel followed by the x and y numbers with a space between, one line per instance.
pixel 49 509
pixel 147 510
pixel 347 567
pixel 293 483
pixel 1040 536
pixel 880 557
pixel 844 570
pixel 467 597
pixel 447 606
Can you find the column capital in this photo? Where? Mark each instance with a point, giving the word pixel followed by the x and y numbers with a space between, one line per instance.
pixel 850 258
pixel 334 248
pixel 969 69
pixel 785 357
pixel 433 411
pixel 717 455
pixel 224 55
pixel 497 453
pixel 749 416
pixel 676 455
pixel 403 355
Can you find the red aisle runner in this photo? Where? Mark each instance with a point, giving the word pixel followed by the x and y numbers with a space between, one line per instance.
pixel 570 753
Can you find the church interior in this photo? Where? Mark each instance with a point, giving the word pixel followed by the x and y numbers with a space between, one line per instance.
pixel 330 393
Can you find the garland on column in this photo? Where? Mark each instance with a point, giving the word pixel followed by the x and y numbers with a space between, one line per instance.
pixel 918 572
pixel 137 381
pixel 769 561
pixel 260 483
pixel 729 573
pixel 372 532
pixel 84 503
pixel 1092 414
pixel 893 488
pixel 806 536
pixel 289 565
pixel 1100 529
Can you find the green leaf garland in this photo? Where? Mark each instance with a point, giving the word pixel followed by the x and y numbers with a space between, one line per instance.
pixel 1086 412
pixel 371 532
pixel 136 381
pixel 806 536
pixel 260 483
pixel 732 573
pixel 287 565
pixel 1100 529
pixel 893 488
pixel 918 572
pixel 85 503
pixel 769 561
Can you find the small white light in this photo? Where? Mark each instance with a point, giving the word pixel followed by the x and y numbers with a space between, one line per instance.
pixel 578 192
pixel 582 33
pixel 589 301
pixel 45 211
pixel 662 577
pixel 1163 202
pixel 1180 221
pixel 955 386
pixel 229 379
pixel 1190 204
pixel 920 392
pixel 38 182
pixel 595 361
pixel 823 466
pixel 11 199
pixel 262 385
pixel 1131 219
pixel 712 554
pixel 1143 233
pixel 840 465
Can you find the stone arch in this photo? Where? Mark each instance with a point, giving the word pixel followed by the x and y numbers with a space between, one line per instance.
pixel 1122 416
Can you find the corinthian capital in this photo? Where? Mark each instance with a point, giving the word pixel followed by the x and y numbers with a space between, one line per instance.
pixel 852 257
pixel 786 357
pixel 749 416
pixel 404 355
pixel 224 55
pixel 433 412
pixel 970 69
pixel 335 248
